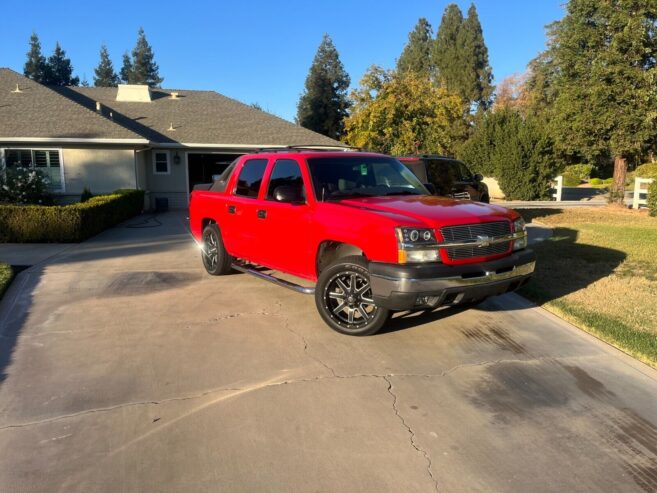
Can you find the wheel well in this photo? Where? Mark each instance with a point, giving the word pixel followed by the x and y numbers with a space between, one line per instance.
pixel 206 221
pixel 329 251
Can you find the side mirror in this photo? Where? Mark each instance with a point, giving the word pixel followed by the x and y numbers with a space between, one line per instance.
pixel 289 194
pixel 431 188
pixel 478 177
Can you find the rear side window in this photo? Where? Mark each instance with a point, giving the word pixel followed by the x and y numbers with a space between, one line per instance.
pixel 250 179
pixel 286 172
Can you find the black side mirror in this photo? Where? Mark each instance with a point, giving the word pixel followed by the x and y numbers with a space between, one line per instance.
pixel 478 177
pixel 289 194
pixel 431 188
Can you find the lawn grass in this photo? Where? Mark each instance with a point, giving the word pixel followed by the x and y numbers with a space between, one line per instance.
pixel 6 275
pixel 599 271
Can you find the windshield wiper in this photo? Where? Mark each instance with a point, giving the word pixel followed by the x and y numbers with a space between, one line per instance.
pixel 404 192
pixel 346 195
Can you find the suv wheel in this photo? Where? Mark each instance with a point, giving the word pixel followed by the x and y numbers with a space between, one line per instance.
pixel 344 298
pixel 216 259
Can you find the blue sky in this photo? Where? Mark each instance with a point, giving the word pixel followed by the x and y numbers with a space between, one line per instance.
pixel 260 51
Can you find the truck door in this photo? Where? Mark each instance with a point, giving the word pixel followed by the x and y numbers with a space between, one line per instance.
pixel 284 220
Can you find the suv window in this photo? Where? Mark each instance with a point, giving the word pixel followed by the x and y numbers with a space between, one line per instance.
pixel 250 179
pixel 464 172
pixel 443 175
pixel 286 172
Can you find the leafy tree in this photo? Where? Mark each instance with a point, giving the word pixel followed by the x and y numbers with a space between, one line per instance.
pixel 476 73
pixel 446 54
pixel 601 71
pixel 514 149
pixel 144 68
pixel 323 105
pixel 512 93
pixel 105 74
pixel 403 114
pixel 416 56
pixel 35 66
pixel 126 69
pixel 59 71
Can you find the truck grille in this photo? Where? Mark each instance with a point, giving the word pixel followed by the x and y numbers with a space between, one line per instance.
pixel 472 232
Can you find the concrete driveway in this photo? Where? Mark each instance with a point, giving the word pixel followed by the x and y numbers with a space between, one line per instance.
pixel 124 367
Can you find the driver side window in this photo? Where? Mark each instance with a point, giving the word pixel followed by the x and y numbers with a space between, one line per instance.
pixel 286 173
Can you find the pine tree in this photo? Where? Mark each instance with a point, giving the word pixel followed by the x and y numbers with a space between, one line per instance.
pixel 59 71
pixel 144 68
pixel 603 66
pixel 416 56
pixel 323 105
pixel 105 75
pixel 126 69
pixel 447 56
pixel 476 73
pixel 35 66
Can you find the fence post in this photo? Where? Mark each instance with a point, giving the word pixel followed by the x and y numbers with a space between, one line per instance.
pixel 559 188
pixel 636 199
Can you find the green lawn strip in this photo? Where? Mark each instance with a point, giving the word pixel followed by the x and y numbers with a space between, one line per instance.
pixel 641 345
pixel 6 275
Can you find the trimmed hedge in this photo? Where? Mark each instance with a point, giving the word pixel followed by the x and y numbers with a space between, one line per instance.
pixel 6 275
pixel 68 223
pixel 652 199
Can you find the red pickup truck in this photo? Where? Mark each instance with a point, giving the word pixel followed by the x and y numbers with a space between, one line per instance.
pixel 363 228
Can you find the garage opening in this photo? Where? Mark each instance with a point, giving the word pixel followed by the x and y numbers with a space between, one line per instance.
pixel 202 166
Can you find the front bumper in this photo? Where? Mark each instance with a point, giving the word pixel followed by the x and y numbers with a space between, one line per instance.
pixel 422 286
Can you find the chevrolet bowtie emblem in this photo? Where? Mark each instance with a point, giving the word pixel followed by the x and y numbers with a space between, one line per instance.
pixel 484 241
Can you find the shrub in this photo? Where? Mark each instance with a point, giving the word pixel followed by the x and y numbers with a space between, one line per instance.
pixel 68 223
pixel 22 185
pixel 596 181
pixel 648 170
pixel 516 150
pixel 579 171
pixel 570 180
pixel 86 194
pixel 608 181
pixel 652 198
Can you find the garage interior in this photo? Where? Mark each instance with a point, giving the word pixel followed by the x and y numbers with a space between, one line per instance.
pixel 202 166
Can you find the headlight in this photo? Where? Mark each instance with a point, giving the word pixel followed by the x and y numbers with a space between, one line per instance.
pixel 416 245
pixel 518 227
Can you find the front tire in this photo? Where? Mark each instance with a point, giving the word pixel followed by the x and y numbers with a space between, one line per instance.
pixel 344 298
pixel 216 259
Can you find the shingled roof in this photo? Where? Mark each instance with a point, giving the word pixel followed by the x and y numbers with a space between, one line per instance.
pixel 199 118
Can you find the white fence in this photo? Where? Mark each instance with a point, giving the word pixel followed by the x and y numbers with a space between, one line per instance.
pixel 640 192
pixel 558 188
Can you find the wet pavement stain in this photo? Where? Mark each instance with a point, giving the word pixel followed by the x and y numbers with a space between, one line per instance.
pixel 491 333
pixel 127 283
pixel 537 392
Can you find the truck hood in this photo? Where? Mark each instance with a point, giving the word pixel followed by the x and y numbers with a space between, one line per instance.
pixel 433 211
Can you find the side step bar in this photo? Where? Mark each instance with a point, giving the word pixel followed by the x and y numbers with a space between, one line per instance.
pixel 275 280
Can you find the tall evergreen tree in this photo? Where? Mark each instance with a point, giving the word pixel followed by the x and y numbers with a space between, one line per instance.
pixel 59 71
pixel 126 69
pixel 447 56
pixel 144 68
pixel 416 56
pixel 35 66
pixel 603 58
pixel 323 105
pixel 476 74
pixel 105 75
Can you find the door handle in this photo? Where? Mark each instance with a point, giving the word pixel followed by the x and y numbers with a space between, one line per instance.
pixel 262 214
pixel 231 209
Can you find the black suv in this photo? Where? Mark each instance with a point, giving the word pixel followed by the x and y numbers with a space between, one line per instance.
pixel 448 177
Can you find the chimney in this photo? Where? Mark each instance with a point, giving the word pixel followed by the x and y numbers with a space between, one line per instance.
pixel 174 95
pixel 99 107
pixel 134 93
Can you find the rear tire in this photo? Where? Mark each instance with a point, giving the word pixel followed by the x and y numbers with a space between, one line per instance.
pixel 344 298
pixel 216 259
pixel 485 199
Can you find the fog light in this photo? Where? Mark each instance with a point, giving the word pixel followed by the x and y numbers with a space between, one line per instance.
pixel 413 256
pixel 520 243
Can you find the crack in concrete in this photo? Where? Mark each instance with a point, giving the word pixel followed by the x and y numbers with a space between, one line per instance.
pixel 411 433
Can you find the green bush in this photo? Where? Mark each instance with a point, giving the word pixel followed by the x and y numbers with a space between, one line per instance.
pixel 570 180
pixel 23 185
pixel 652 199
pixel 608 181
pixel 86 194
pixel 648 170
pixel 596 181
pixel 580 171
pixel 6 275
pixel 68 223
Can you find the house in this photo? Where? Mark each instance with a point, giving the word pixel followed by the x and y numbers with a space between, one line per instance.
pixel 163 141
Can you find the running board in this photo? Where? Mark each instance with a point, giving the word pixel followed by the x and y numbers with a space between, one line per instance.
pixel 275 280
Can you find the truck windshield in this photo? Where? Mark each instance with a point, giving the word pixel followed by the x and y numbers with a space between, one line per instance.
pixel 336 178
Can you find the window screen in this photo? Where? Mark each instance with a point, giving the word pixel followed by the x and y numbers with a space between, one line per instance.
pixel 250 179
pixel 286 172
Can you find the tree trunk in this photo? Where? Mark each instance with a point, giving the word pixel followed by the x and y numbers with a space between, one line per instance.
pixel 617 194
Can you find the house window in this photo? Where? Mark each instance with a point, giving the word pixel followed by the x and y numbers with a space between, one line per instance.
pixel 47 161
pixel 161 163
